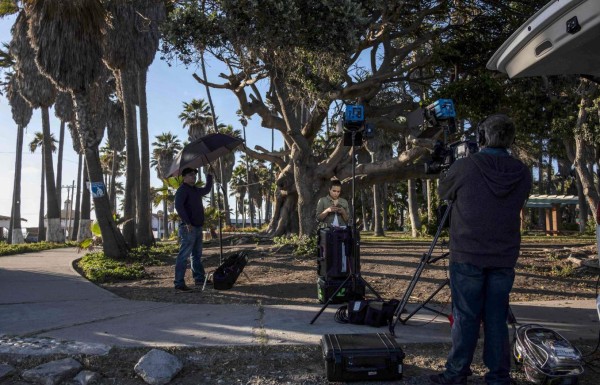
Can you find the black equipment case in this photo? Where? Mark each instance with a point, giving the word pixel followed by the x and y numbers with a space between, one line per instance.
pixel 357 357
pixel 334 252
pixel 327 287
pixel 228 272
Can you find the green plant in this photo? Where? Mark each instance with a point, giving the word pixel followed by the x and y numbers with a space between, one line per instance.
pixel 6 249
pixel 99 268
pixel 303 245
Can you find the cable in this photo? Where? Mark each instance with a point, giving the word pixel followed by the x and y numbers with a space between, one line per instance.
pixel 341 315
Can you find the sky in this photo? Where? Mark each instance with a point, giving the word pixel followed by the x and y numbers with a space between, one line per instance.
pixel 167 89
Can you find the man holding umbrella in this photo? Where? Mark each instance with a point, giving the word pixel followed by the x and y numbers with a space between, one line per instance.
pixel 188 203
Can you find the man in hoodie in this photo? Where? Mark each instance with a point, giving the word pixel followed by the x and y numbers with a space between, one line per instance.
pixel 488 190
pixel 188 203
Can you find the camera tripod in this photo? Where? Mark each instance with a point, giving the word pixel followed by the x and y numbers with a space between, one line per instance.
pixel 355 266
pixel 426 259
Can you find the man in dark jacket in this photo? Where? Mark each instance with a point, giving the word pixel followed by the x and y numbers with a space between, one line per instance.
pixel 188 203
pixel 488 190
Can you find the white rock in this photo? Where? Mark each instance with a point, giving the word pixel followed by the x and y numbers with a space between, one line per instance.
pixel 53 372
pixel 158 367
pixel 87 377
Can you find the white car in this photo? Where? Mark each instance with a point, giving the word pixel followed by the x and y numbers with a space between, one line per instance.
pixel 561 38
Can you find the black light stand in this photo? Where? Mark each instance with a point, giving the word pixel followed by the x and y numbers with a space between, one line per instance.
pixel 355 273
pixel 426 259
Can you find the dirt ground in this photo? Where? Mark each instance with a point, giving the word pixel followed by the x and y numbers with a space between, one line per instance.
pixel 275 276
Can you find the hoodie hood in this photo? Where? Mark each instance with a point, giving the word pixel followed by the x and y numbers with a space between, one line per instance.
pixel 502 173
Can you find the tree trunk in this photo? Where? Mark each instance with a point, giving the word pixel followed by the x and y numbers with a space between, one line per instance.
pixel 113 243
pixel 540 190
pixel 132 180
pixel 429 201
pixel 583 207
pixel 59 164
pixel 144 229
pixel 85 230
pixel 378 210
pixel 78 198
pixel 165 220
pixel 15 232
pixel 113 181
pixel 581 159
pixel 413 211
pixel 54 231
pixel 41 227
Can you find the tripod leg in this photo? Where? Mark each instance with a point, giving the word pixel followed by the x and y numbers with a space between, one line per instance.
pixel 424 304
pixel 329 300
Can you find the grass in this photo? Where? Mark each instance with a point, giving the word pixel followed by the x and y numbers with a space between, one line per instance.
pixel 6 249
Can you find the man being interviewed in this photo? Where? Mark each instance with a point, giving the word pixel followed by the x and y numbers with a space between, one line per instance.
pixel 488 190
pixel 188 203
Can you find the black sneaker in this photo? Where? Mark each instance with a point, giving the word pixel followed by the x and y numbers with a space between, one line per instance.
pixel 183 289
pixel 442 379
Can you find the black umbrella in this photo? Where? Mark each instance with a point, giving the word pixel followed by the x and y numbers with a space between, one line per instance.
pixel 203 151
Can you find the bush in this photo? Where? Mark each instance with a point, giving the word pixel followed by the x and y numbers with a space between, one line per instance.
pixel 99 268
pixel 304 245
pixel 6 249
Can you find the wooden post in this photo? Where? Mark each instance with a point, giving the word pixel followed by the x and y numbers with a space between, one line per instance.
pixel 555 218
pixel 548 222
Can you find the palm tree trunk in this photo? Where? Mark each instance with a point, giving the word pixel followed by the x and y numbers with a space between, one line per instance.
pixel 113 243
pixel 41 228
pixel 15 233
pixel 131 182
pixel 165 219
pixel 113 180
pixel 144 230
pixel 54 231
pixel 77 199
pixel 59 163
pixel 85 232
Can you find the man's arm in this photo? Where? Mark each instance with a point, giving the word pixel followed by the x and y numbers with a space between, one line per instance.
pixel 208 186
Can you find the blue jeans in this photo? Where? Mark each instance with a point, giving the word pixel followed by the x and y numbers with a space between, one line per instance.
pixel 480 294
pixel 191 244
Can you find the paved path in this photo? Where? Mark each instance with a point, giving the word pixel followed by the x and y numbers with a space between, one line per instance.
pixel 41 295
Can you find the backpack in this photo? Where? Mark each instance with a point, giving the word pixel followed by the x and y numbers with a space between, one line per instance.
pixel 228 272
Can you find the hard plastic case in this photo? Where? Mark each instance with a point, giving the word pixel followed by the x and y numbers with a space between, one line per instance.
pixel 334 252
pixel 359 357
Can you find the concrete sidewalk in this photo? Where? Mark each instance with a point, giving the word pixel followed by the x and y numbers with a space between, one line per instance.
pixel 42 296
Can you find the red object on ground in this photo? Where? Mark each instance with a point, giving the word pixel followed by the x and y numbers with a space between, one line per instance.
pixel 451 319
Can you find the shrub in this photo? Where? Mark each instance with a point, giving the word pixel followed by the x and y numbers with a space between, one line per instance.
pixel 6 249
pixel 304 245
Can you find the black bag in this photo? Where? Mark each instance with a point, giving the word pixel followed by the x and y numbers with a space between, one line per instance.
pixel 372 312
pixel 229 271
pixel 334 252
pixel 355 357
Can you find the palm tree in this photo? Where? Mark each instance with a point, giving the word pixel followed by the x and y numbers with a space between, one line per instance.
pixel 166 147
pixel 38 141
pixel 21 113
pixel 115 128
pixel 239 184
pixel 63 109
pixel 196 117
pixel 71 32
pixel 39 91
pixel 130 45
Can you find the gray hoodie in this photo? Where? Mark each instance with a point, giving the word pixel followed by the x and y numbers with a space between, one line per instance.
pixel 489 190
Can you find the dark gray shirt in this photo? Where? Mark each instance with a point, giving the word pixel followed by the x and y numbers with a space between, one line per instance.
pixel 489 190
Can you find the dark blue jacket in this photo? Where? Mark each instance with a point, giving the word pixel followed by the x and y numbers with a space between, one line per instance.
pixel 489 190
pixel 188 202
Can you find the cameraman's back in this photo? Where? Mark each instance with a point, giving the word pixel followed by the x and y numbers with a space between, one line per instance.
pixel 488 189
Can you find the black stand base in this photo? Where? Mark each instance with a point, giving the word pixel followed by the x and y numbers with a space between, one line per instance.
pixel 426 259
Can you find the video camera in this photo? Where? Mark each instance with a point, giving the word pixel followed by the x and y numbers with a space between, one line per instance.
pixel 436 117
